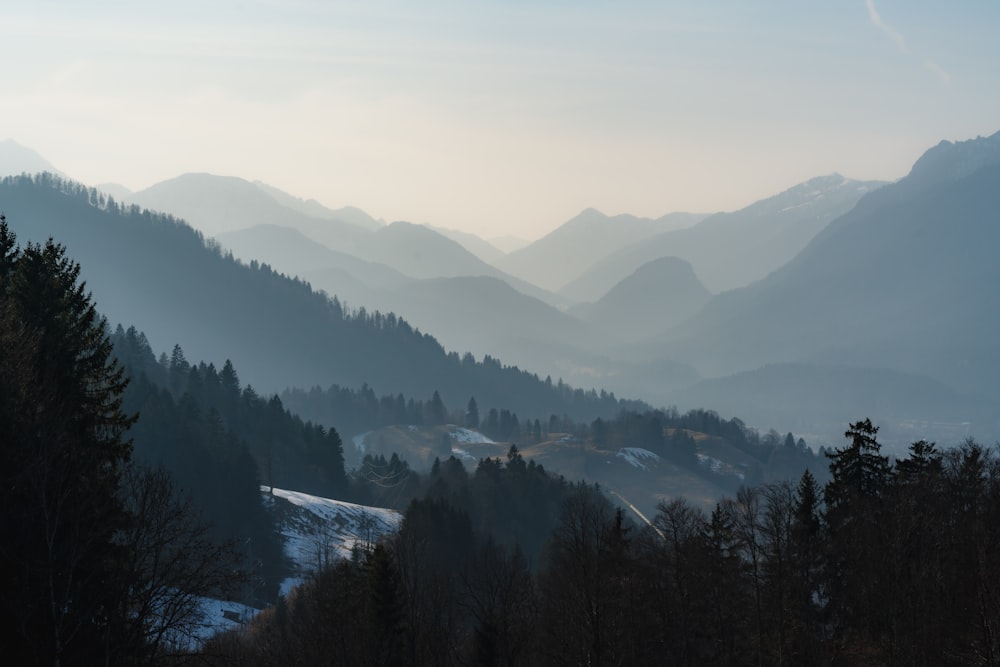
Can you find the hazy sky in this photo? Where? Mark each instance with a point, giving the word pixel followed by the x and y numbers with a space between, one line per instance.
pixel 498 117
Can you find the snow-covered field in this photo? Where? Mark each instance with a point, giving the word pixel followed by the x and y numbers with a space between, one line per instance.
pixel 318 531
pixel 638 457
pixel 717 466
pixel 218 616
pixel 467 436
pixel 463 455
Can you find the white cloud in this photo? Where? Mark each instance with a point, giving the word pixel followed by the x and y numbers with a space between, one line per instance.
pixel 941 72
pixel 877 21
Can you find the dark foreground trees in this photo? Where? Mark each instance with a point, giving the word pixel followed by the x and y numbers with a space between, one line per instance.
pixel 888 564
pixel 95 565
pixel 61 426
pixel 169 565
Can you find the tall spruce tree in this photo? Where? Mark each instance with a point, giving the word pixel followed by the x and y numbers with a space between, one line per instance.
pixel 857 576
pixel 62 448
pixel 472 414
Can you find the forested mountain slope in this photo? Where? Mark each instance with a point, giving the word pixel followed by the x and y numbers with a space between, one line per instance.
pixel 158 273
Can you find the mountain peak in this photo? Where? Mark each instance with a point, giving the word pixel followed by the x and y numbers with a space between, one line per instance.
pixel 203 180
pixel 658 295
pixel 950 161
pixel 819 185
pixel 584 217
pixel 828 180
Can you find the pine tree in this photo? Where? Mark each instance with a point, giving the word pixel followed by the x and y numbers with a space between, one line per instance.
pixel 384 609
pixel 857 525
pixel 472 414
pixel 806 565
pixel 859 470
pixel 63 447
pixel 437 413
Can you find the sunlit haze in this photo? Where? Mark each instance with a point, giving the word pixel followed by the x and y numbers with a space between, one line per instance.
pixel 498 118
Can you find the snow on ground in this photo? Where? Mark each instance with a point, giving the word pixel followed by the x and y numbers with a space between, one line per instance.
pixel 713 464
pixel 468 436
pixel 359 441
pixel 211 617
pixel 219 616
pixel 717 466
pixel 319 531
pixel 316 531
pixel 638 457
pixel 463 455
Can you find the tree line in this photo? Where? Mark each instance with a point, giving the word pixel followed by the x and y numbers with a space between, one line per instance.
pixel 887 563
pixel 288 451
pixel 672 435
pixel 102 561
pixel 132 261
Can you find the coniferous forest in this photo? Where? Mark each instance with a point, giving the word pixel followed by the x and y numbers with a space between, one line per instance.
pixel 102 559
pixel 133 487
pixel 885 564
pixel 499 334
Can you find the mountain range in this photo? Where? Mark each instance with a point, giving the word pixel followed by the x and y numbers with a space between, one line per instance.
pixel 729 250
pixel 157 273
pixel 661 294
pixel 904 282
pixel 16 159
pixel 570 249
pixel 834 287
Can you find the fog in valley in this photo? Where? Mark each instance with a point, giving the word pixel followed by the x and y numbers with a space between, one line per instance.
pixel 529 335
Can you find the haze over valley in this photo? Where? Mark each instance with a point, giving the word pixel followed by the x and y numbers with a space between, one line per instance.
pixel 687 310
pixel 363 333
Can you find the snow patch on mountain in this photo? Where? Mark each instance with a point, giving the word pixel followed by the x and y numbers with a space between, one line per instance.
pixel 469 436
pixel 719 467
pixel 463 455
pixel 319 531
pixel 638 457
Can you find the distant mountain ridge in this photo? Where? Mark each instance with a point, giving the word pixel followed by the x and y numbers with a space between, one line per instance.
pixel 16 159
pixel 218 204
pixel 221 206
pixel 570 249
pixel 479 247
pixel 906 282
pixel 950 160
pixel 729 250
pixel 157 273
pixel 314 209
pixel 832 281
pixel 660 294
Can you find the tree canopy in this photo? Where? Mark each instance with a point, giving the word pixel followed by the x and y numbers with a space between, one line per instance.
pixel 62 427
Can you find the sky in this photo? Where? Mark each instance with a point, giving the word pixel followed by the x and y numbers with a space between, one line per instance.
pixel 498 118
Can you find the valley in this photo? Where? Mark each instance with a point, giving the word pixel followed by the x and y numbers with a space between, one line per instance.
pixel 682 359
